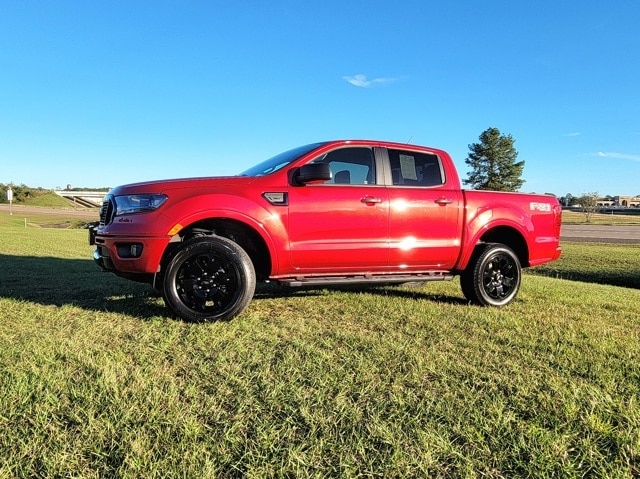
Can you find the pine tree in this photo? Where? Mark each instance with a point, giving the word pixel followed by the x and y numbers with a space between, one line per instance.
pixel 493 163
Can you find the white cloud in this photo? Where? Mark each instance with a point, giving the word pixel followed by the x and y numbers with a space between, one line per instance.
pixel 575 133
pixel 618 156
pixel 361 81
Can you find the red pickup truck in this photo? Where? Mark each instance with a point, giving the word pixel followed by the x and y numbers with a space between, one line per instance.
pixel 330 213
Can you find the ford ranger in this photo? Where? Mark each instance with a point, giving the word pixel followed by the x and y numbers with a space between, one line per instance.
pixel 330 213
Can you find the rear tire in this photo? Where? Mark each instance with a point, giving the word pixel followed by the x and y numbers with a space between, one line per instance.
pixel 492 277
pixel 209 279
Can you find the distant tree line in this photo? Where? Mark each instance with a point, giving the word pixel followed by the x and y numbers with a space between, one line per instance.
pixel 23 192
pixel 20 192
pixel 589 203
pixel 571 200
pixel 584 198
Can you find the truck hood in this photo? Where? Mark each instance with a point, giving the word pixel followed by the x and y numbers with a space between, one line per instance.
pixel 164 186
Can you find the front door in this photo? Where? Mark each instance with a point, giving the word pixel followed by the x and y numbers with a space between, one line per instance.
pixel 341 224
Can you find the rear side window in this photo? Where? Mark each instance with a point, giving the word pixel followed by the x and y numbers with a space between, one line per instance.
pixel 409 168
pixel 350 166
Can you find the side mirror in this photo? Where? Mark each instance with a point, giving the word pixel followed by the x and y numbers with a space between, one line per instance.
pixel 312 172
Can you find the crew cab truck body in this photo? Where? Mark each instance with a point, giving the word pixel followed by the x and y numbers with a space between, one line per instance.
pixel 323 214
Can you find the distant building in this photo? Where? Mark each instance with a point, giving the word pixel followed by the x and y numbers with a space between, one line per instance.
pixel 628 201
pixel 620 201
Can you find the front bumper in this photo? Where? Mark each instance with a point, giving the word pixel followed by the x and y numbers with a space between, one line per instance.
pixel 128 254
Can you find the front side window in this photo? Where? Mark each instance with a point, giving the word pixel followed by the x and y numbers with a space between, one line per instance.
pixel 410 168
pixel 350 166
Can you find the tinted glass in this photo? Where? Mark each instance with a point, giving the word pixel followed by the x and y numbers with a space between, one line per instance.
pixel 350 166
pixel 409 168
pixel 279 161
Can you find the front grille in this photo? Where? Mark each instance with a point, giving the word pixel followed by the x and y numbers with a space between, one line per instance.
pixel 107 210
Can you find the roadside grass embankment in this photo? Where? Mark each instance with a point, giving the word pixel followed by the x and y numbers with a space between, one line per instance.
pixel 390 382
pixel 47 199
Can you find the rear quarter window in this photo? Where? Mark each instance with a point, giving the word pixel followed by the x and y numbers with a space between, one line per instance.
pixel 410 168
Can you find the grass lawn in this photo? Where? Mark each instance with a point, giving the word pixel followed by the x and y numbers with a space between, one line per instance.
pixel 614 264
pixel 34 217
pixel 575 218
pixel 97 380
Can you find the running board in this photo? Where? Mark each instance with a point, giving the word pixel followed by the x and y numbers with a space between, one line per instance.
pixel 299 281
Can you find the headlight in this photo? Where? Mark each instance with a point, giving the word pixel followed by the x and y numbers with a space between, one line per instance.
pixel 129 204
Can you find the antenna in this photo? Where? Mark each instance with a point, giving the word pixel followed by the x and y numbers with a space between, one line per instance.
pixel 409 140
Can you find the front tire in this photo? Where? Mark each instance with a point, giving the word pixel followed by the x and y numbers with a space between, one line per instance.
pixel 209 279
pixel 492 277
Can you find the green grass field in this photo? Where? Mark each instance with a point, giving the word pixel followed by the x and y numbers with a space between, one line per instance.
pixel 97 380
pixel 613 264
pixel 575 217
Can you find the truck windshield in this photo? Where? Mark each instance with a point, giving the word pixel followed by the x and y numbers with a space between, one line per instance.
pixel 279 161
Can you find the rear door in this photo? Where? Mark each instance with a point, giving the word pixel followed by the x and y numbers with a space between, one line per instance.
pixel 341 224
pixel 425 212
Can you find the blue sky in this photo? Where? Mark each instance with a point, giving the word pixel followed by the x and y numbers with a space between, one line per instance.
pixel 101 93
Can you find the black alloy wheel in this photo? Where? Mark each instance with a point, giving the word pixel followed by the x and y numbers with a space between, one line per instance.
pixel 493 276
pixel 208 279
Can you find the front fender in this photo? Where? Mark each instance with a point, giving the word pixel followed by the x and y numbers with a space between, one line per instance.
pixel 267 221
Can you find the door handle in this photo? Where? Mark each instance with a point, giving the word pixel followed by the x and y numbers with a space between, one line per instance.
pixel 443 201
pixel 370 200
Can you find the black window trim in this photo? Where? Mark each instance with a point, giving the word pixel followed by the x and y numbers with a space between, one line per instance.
pixel 378 163
pixel 388 179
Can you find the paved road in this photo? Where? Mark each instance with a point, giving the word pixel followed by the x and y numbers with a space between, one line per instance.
pixel 84 213
pixel 629 234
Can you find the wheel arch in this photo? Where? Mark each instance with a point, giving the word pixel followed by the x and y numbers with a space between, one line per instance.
pixel 505 234
pixel 510 237
pixel 241 233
